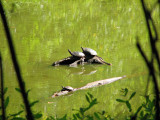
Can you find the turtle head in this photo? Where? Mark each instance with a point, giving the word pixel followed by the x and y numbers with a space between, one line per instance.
pixel 82 49
pixel 70 52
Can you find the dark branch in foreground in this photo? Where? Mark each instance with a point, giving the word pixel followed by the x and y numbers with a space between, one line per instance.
pixel 15 63
pixel 2 90
pixel 152 39
pixel 155 55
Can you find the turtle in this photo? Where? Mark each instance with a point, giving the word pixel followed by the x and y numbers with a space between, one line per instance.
pixel 67 88
pixel 76 58
pixel 91 56
pixel 77 54
pixel 89 52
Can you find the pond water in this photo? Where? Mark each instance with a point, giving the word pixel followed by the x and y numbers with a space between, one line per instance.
pixel 43 32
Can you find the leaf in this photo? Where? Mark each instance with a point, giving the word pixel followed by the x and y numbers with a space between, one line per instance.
pixel 87 98
pixel 125 91
pixel 90 95
pixel 82 110
pixel 119 100
pixel 28 91
pixel 75 110
pixel 129 106
pixel 17 113
pixel 74 117
pixel 33 103
pixel 64 117
pixel 89 117
pixel 22 106
pixel 17 118
pixel 93 102
pixel 50 118
pixel 6 102
pixel 78 116
pixel 103 112
pixel 5 90
pixel 37 116
pixel 152 104
pixel 147 99
pixel 138 110
pixel 97 116
pixel 141 114
pixel 133 94
pixel 18 90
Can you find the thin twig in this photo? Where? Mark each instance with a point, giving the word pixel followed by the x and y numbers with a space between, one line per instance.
pixel 148 80
pixel 154 52
pixel 15 63
pixel 152 72
pixel 2 90
pixel 152 40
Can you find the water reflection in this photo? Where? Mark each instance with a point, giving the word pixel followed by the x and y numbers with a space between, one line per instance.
pixel 83 70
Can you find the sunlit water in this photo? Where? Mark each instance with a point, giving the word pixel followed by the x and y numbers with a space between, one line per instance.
pixel 44 31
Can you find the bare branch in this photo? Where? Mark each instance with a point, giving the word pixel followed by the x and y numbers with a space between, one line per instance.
pixel 15 63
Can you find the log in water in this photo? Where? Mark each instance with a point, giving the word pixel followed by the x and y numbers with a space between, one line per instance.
pixel 89 85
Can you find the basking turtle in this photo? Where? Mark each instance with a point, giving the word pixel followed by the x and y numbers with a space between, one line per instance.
pixel 89 51
pixel 67 88
pixel 77 54
pixel 91 56
pixel 76 58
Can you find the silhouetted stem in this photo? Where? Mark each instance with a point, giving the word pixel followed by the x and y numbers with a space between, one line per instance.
pixel 2 90
pixel 152 40
pixel 154 52
pixel 148 80
pixel 152 72
pixel 15 63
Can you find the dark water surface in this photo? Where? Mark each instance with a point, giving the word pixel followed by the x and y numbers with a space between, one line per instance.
pixel 44 31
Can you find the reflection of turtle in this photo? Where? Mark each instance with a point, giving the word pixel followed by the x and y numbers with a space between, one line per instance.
pixel 67 88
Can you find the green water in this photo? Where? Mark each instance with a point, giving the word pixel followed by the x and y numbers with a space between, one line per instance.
pixel 43 31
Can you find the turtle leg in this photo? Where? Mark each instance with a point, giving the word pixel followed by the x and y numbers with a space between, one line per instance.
pixel 74 64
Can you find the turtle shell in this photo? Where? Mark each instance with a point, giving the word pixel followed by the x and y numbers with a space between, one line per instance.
pixel 67 88
pixel 76 54
pixel 89 51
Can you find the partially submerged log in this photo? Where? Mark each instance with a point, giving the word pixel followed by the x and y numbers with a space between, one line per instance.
pixel 80 58
pixel 89 85
pixel 67 61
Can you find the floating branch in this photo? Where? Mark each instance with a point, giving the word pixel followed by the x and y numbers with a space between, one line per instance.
pixel 67 90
